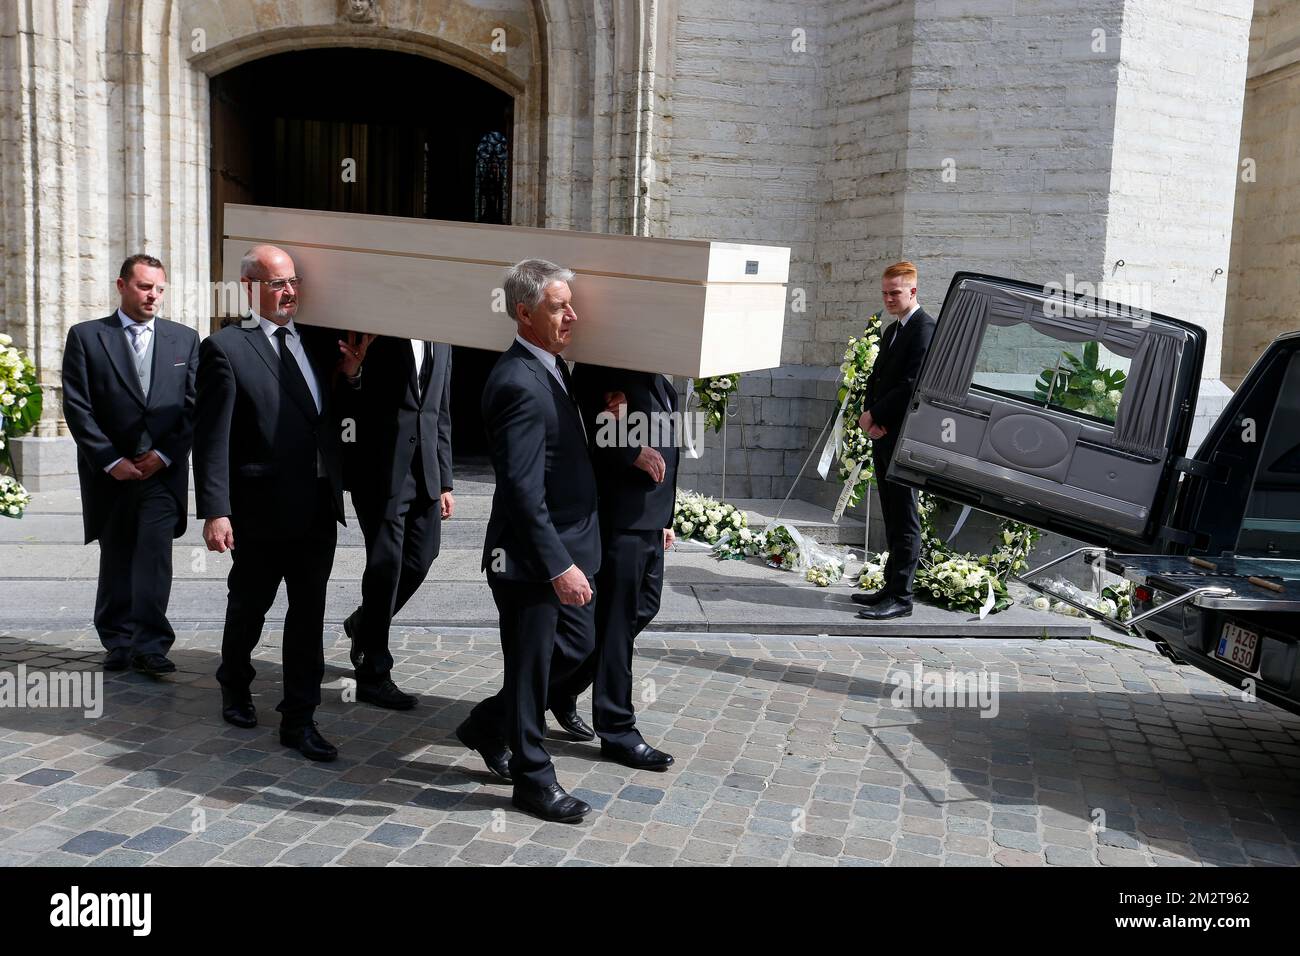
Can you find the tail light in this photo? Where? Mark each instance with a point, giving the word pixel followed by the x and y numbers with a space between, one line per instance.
pixel 1143 594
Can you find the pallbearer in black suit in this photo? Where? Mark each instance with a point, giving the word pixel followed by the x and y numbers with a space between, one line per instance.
pixel 889 389
pixel 542 547
pixel 397 464
pixel 128 398
pixel 269 484
pixel 636 484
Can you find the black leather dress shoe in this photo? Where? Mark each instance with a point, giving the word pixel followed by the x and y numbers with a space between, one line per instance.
pixel 152 664
pixel 355 654
pixel 238 710
pixel 306 739
pixel 118 659
pixel 640 757
pixel 550 803
pixel 890 608
pixel 574 725
pixel 869 598
pixel 384 693
pixel 495 755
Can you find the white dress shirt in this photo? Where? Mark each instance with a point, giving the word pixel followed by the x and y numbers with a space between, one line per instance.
pixel 546 359
pixel 903 321
pixel 417 347
pixel 127 322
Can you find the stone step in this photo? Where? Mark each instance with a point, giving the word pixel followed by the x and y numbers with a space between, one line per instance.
pixel 729 607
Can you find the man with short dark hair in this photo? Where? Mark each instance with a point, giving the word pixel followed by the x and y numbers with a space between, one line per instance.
pixel 889 389
pixel 128 398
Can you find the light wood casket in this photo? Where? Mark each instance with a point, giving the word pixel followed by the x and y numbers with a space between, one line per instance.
pixel 682 307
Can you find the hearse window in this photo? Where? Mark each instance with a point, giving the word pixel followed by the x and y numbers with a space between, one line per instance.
pixel 1056 350
pixel 1271 526
pixel 1029 363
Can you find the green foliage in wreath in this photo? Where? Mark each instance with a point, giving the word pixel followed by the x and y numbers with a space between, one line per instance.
pixel 1082 385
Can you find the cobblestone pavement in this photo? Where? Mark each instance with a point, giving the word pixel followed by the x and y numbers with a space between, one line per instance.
pixel 788 752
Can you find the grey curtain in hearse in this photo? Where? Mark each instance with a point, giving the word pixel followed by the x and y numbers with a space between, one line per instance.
pixel 1153 347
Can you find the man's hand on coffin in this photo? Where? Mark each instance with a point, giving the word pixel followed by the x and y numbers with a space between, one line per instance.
pixel 652 463
pixel 572 587
pixel 616 404
pixel 353 353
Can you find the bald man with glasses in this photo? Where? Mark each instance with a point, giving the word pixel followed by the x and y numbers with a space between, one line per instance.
pixel 268 484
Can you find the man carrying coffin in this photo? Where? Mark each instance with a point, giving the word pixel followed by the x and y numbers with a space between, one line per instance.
pixel 397 464
pixel 269 485
pixel 636 485
pixel 889 389
pixel 128 397
pixel 542 547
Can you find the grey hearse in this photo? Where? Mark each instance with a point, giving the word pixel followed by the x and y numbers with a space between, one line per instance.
pixel 1072 413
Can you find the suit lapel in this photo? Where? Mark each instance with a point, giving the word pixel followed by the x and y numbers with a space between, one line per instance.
pixel 113 337
pixel 162 339
pixel 547 380
pixel 258 342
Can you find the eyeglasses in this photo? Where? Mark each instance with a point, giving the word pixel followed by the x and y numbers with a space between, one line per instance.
pixel 279 285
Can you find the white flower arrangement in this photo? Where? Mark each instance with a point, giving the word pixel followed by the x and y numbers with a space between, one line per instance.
pixel 14 498
pixel 855 447
pixel 825 574
pixel 780 549
pixel 872 575
pixel 713 395
pixel 705 519
pixel 20 408
pixel 1115 600
pixel 960 583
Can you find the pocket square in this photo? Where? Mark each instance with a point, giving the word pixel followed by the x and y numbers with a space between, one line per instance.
pixel 178 364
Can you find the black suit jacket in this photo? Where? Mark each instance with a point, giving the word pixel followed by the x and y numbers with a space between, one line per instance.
pixel 629 498
pixel 107 412
pixel 544 506
pixel 391 420
pixel 256 440
pixel 892 380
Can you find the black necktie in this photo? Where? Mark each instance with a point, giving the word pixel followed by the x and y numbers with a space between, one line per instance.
pixel 567 378
pixel 563 368
pixel 290 373
pixel 426 368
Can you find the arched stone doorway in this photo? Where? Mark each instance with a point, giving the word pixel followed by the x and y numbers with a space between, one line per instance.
pixel 367 131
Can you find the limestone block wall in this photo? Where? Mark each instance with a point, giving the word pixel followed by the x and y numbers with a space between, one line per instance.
pixel 1264 278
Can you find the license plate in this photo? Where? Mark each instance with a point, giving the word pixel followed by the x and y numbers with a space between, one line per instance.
pixel 1238 647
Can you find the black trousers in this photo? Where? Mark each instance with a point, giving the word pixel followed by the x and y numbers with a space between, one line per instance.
pixel 135 569
pixel 546 644
pixel 303 563
pixel 630 582
pixel 402 537
pixel 902 525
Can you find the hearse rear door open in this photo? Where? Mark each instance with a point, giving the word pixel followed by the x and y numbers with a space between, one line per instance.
pixel 1066 412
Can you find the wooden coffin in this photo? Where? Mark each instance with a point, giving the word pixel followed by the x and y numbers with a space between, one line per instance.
pixel 682 307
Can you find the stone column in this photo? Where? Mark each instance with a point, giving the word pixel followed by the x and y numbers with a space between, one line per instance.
pixel 103 125
pixel 1263 291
